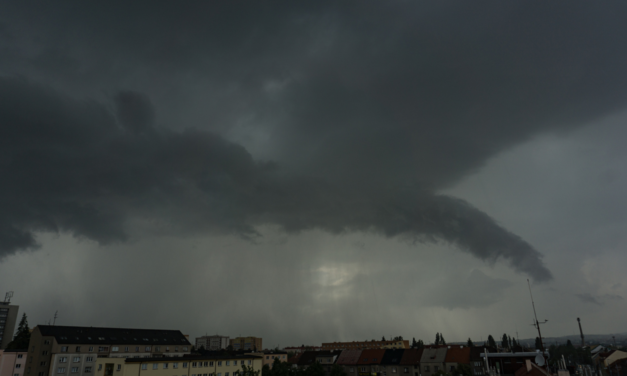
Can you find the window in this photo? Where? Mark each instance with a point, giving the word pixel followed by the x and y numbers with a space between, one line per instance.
pixel 76 359
pixel 219 373
pixel 220 364
pixel 63 359
pixel 175 365
pixel 176 348
pixel 89 359
pixel 363 369
pixel 61 370
pixel 210 364
pixel 155 365
pixel 87 369
pixel 78 349
pixel 147 348
pixel 393 369
pixel 99 367
pixel 453 368
pixel 137 349
pixel 114 348
pixel 119 367
pixel 194 364
pixel 103 349
pixel 126 349
pixel 226 374
pixel 44 353
pixel 19 356
pixel 18 366
pixel 228 363
pixel 91 349
pixel 74 369
pixel 405 370
pixel 241 363
pixel 165 365
pixel 167 348
pixel 144 366
pixel 184 364
pixel 42 363
pixel 435 368
pixel 157 348
pixel 63 348
pixel 426 368
pixel 351 370
pixel 47 342
pixel 250 362
pixel 185 348
pixel 206 364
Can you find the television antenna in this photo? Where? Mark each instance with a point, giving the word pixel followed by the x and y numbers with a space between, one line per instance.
pixel 8 296
pixel 537 323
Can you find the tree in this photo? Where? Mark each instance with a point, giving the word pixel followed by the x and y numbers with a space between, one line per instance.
pixel 265 370
pixel 442 341
pixel 504 341
pixel 420 344
pixel 491 342
pixel 413 343
pixel 22 337
pixel 538 344
pixel 338 370
pixel 463 370
pixel 469 343
pixel 383 338
pixel 514 343
pixel 315 369
pixel 249 371
pixel 437 338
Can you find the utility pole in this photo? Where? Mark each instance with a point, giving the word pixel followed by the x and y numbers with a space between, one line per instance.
pixel 536 323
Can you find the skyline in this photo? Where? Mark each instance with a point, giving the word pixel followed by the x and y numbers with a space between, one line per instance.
pixel 315 170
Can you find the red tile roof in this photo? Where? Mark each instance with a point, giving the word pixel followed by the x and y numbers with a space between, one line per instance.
pixel 411 356
pixel 458 355
pixel 371 356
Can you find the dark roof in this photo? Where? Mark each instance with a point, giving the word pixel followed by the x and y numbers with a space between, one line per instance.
pixel 307 358
pixel 535 371
pixel 112 336
pixel 371 356
pixel 392 356
pixel 458 355
pixel 476 351
pixel 348 357
pixel 15 350
pixel 190 358
pixel 411 356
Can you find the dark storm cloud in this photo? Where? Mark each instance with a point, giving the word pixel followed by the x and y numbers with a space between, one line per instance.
pixel 370 108
pixel 72 166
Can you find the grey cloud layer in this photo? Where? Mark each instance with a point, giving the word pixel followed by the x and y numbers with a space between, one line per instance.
pixel 72 166
pixel 368 109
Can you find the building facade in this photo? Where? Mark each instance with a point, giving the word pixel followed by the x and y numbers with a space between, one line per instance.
pixel 270 356
pixel 13 362
pixel 399 344
pixel 456 355
pixel 8 317
pixel 74 350
pixel 410 362
pixel 246 343
pixel 212 343
pixel 370 362
pixel 212 365
pixel 432 360
pixel 348 360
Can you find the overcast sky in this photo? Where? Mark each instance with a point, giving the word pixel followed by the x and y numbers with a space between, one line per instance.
pixel 313 172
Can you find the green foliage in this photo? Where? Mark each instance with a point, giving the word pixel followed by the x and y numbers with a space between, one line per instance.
pixel 571 354
pixel 504 341
pixel 491 342
pixel 249 371
pixel 437 338
pixel 338 370
pixel 463 370
pixel 442 341
pixel 315 369
pixel 22 337
pixel 420 344
pixel 469 343
pixel 266 371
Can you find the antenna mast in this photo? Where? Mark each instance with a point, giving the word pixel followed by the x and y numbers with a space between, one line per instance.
pixel 8 296
pixel 536 322
pixel 55 318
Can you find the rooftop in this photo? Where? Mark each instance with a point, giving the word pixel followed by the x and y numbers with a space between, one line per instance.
pixel 95 335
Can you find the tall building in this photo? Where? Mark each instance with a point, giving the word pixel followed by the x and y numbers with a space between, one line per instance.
pixel 73 350
pixel 8 317
pixel 212 343
pixel 12 362
pixel 246 343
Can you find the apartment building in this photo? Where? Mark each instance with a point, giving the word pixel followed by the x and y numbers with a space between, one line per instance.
pixel 12 362
pixel 432 360
pixel 370 362
pixel 74 350
pixel 348 360
pixel 410 362
pixel 398 344
pixel 270 356
pixel 246 343
pixel 212 343
pixel 212 365
pixel 8 317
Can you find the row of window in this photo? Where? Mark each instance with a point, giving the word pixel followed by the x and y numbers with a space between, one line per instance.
pixel 236 373
pixel 124 339
pixel 76 359
pixel 194 364
pixel 73 369
pixel 117 348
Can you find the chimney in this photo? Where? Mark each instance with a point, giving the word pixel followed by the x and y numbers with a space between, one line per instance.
pixel 528 361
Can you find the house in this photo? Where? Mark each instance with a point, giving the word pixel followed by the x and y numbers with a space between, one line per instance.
pixel 456 355
pixel 348 360
pixel 410 362
pixel 432 360
pixel 369 362
pixel 531 369
pixel 390 364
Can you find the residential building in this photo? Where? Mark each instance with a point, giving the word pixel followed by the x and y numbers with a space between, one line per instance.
pixel 456 355
pixel 246 343
pixel 306 359
pixel 477 362
pixel 211 365
pixel 410 362
pixel 270 356
pixel 348 360
pixel 73 350
pixel 370 361
pixel 301 349
pixel 390 363
pixel 531 369
pixel 13 362
pixel 397 344
pixel 432 360
pixel 508 363
pixel 8 317
pixel 212 343
pixel 327 359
